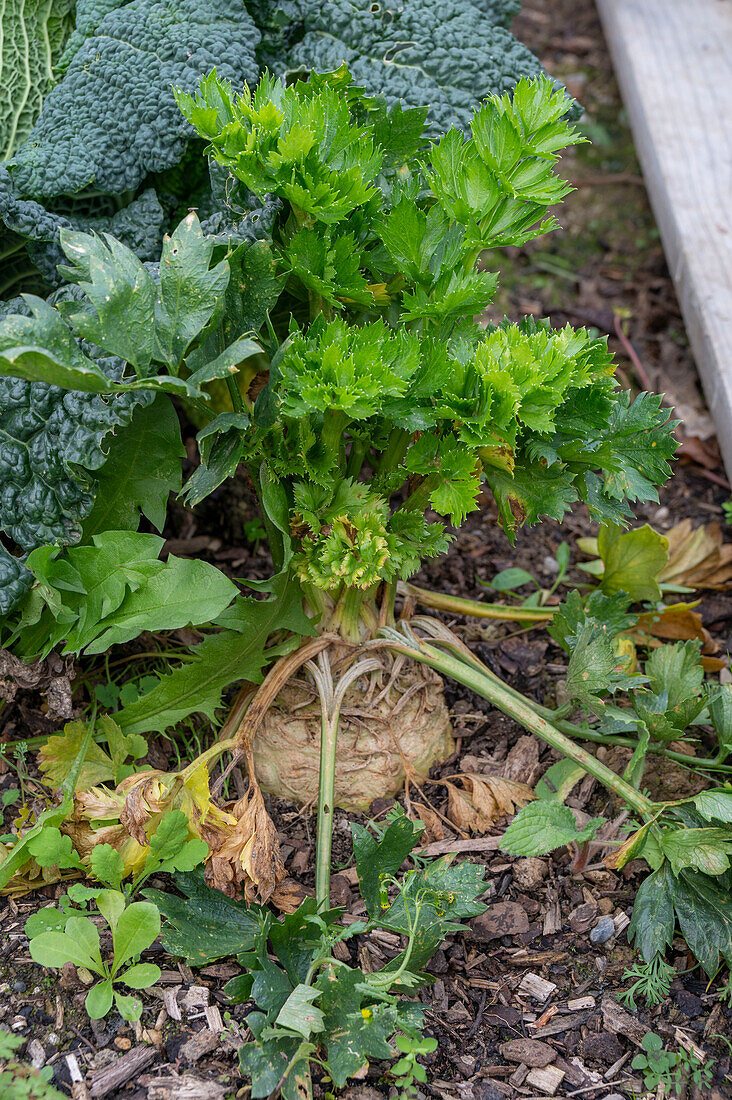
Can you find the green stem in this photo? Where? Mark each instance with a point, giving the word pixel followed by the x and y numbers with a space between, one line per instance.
pixel 235 393
pixel 479 679
pixel 347 616
pixel 419 499
pixel 359 450
pixel 331 700
pixel 334 424
pixel 329 719
pixel 585 733
pixel 394 452
pixel 440 601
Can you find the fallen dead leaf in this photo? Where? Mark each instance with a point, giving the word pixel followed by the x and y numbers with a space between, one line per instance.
pixel 697 557
pixel 677 622
pixel 484 799
pixel 433 827
pixel 51 676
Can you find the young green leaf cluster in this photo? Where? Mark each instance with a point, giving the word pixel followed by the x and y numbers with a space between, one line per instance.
pixel 19 1081
pixel 133 928
pixel 311 1007
pixel 384 400
pixel 359 384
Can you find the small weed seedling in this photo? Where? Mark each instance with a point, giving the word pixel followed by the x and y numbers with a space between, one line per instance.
pixel 19 1081
pixel 133 927
pixel 672 1069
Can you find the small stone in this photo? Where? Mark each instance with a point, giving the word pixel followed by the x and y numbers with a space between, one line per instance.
pixel 531 1052
pixel 605 906
pixel 19 986
pixel 122 1043
pixel 603 930
pixel 505 918
pixel 529 873
pixel 583 917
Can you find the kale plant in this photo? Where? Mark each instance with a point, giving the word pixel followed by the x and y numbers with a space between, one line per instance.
pixel 97 141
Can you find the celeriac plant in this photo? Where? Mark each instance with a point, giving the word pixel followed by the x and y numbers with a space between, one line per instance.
pixel 366 407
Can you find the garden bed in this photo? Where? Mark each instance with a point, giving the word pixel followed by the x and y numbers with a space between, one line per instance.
pixel 528 973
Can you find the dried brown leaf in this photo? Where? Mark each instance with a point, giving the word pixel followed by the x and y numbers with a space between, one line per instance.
pixel 433 827
pixel 484 800
pixel 246 855
pixel 697 557
pixel 677 622
pixel 51 676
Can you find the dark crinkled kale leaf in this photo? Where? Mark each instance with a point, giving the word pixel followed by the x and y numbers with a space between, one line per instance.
pixel 113 119
pixel 51 440
pixel 448 54
pixel 138 225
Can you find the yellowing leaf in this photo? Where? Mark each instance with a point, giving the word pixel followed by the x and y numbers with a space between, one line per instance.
pixel 633 560
pixel 59 752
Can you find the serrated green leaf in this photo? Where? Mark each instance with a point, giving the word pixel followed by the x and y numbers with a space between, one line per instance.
pixel 715 805
pixel 653 921
pixel 705 850
pixel 266 1062
pixel 107 865
pixel 704 909
pixel 170 835
pixel 52 848
pixel 353 1038
pixel 206 925
pixel 121 295
pixel 99 765
pixel 544 826
pixel 48 919
pixel 143 468
pixel 190 290
pixel 379 858
pixel 48 818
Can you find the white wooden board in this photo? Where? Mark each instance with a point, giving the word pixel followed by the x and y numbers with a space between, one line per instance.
pixel 673 60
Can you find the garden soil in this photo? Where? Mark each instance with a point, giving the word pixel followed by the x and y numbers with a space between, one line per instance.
pixel 523 1004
